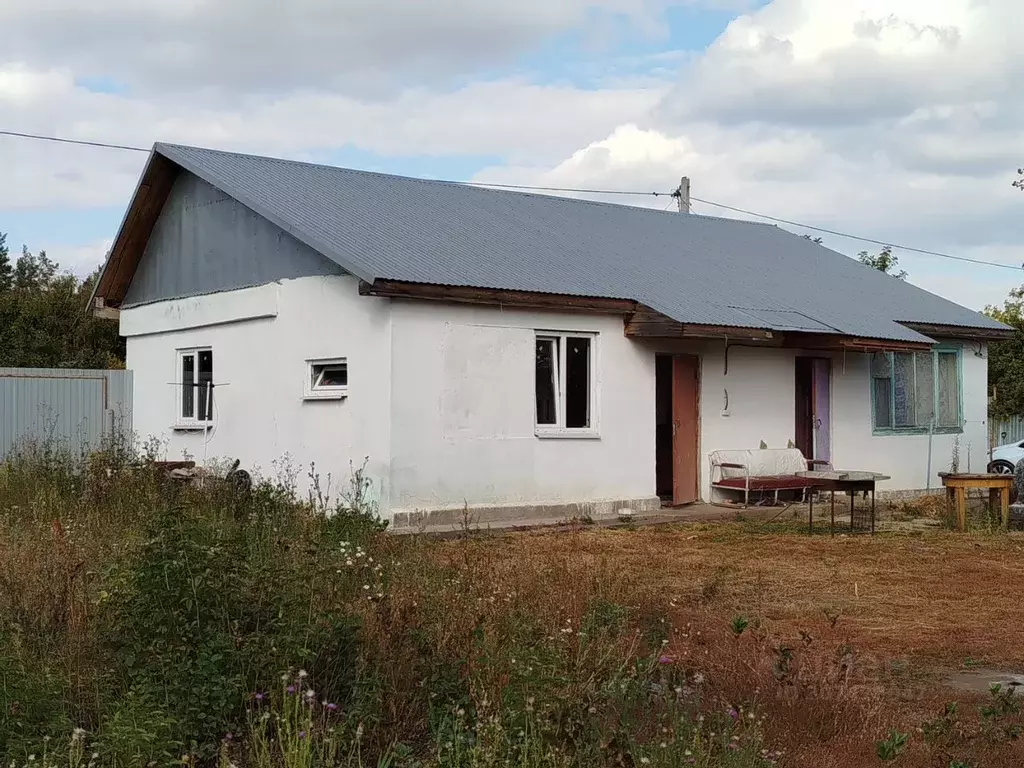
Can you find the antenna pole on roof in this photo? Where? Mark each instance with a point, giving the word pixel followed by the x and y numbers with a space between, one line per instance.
pixel 682 194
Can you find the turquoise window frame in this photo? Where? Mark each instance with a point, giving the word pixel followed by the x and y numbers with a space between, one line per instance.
pixel 919 430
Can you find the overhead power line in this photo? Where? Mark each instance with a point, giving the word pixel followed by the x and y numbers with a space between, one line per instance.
pixel 837 233
pixel 587 191
pixel 79 142
pixel 559 189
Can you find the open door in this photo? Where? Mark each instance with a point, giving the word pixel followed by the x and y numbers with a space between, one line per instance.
pixel 814 407
pixel 685 429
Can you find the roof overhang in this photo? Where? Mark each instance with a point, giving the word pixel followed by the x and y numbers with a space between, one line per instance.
pixel 137 225
pixel 459 294
pixel 641 321
pixel 961 332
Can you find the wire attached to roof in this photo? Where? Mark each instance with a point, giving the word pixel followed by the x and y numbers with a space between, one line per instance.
pixel 101 144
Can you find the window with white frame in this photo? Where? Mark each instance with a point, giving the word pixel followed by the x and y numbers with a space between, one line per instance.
pixel 565 390
pixel 195 387
pixel 326 379
pixel 916 391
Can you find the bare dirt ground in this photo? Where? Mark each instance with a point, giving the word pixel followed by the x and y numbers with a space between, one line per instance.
pixel 847 638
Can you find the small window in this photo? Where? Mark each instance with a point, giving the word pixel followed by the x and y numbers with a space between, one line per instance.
pixel 195 387
pixel 326 379
pixel 564 380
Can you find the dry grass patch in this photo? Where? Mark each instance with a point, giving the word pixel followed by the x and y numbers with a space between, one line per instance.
pixel 845 638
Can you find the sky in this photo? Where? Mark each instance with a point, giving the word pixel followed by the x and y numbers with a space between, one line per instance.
pixel 897 120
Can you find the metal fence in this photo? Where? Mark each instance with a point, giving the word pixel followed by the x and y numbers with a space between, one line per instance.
pixel 1003 431
pixel 76 409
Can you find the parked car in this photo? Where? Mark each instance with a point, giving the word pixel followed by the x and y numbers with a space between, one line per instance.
pixel 1005 458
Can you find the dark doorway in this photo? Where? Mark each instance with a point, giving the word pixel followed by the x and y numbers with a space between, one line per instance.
pixel 676 427
pixel 813 412
pixel 805 407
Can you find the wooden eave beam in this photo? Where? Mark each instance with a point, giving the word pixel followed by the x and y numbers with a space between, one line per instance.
pixel 835 342
pixel 398 289
pixel 648 323
pixel 139 220
pixel 960 332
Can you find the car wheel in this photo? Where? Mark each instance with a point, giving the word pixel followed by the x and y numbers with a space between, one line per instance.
pixel 1000 467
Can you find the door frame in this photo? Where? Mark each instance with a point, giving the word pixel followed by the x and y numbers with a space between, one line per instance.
pixel 685 424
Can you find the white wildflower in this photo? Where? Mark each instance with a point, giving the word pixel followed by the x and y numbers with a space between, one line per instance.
pixel 303 674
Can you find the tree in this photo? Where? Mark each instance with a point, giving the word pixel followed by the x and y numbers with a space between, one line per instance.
pixel 1006 358
pixel 44 318
pixel 34 271
pixel 6 270
pixel 883 261
pixel 1019 183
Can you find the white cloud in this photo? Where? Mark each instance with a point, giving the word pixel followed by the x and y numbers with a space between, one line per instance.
pixel 235 48
pixel 80 259
pixel 510 118
pixel 896 120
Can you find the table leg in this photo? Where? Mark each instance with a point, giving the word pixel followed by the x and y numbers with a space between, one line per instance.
pixel 1004 503
pixel 961 510
pixel 872 509
pixel 832 527
pixel 853 499
pixel 810 513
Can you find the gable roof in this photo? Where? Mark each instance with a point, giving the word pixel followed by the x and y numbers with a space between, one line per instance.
pixel 693 269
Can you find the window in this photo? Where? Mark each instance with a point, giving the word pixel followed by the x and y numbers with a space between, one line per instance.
pixel 916 391
pixel 195 387
pixel 326 379
pixel 565 385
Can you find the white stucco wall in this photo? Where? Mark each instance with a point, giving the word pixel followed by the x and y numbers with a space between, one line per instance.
pixel 463 411
pixel 441 398
pixel 261 338
pixel 762 406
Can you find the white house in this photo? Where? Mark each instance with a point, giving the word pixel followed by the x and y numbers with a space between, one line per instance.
pixel 517 352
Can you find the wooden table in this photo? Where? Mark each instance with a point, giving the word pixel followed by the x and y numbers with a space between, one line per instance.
pixel 848 481
pixel 998 487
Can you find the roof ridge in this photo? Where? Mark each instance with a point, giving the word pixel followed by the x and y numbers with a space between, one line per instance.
pixel 478 185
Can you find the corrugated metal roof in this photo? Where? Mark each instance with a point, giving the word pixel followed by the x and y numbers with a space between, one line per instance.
pixel 694 269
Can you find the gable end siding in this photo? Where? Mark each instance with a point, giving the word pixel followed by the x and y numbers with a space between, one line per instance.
pixel 205 242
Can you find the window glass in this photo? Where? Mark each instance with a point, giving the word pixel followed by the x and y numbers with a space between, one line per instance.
pixel 330 375
pixel 903 390
pixel 188 386
pixel 204 394
pixel 547 380
pixel 924 388
pixel 949 390
pixel 577 382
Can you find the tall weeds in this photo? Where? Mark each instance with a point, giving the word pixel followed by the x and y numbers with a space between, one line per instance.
pixel 161 619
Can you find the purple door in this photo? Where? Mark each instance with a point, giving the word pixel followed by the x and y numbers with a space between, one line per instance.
pixel 821 417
